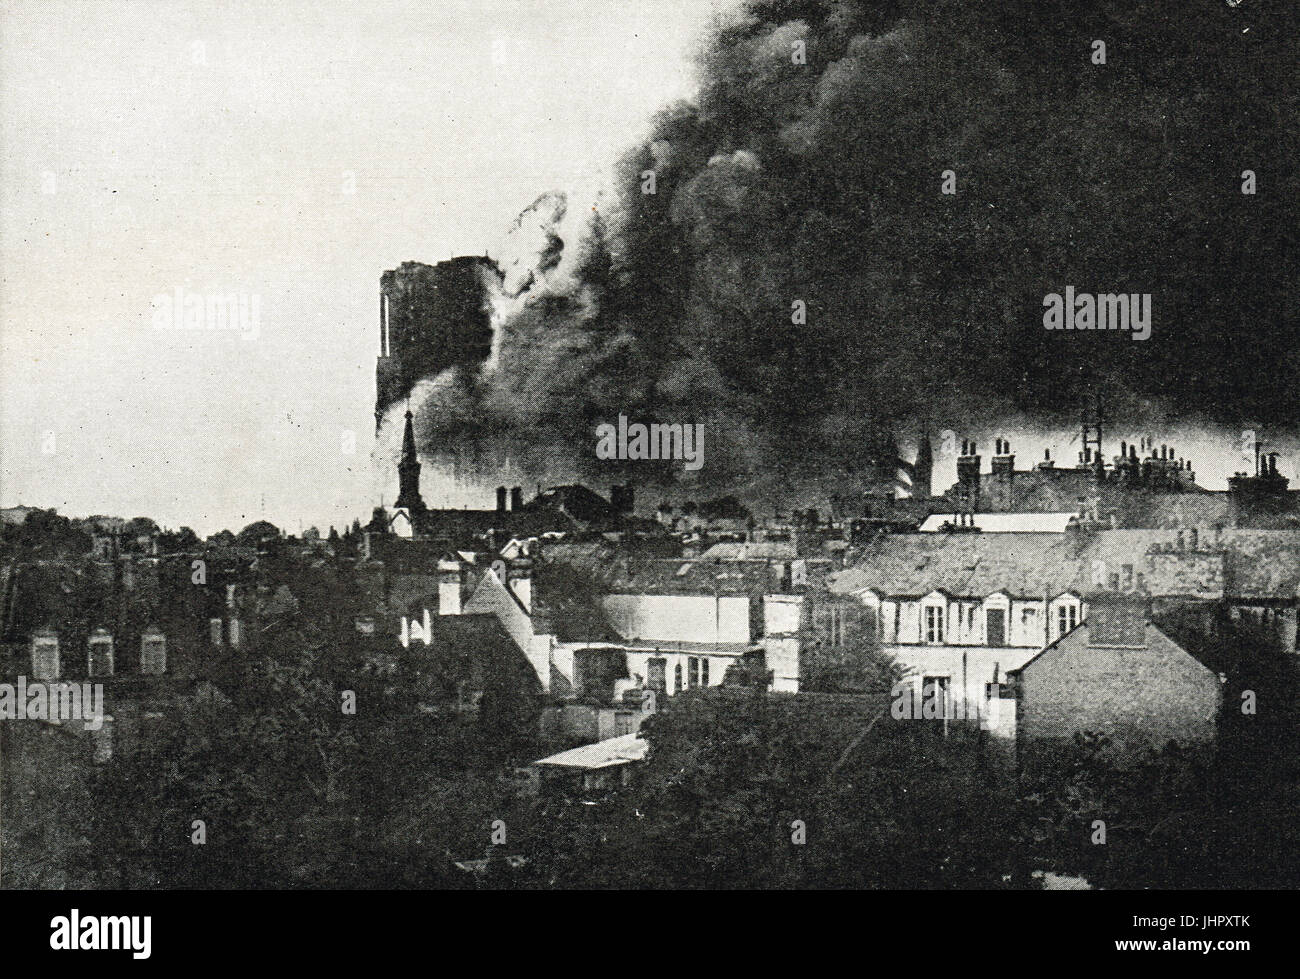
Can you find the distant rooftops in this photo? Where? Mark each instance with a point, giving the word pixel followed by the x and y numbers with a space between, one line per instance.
pixel 1000 523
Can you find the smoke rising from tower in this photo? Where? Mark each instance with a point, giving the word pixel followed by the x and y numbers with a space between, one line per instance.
pixel 821 183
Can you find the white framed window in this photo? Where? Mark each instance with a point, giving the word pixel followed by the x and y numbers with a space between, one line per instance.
pixel 837 626
pixel 697 671
pixel 1067 617
pixel 933 624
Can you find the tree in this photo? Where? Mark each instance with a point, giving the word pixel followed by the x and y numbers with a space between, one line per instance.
pixel 838 650
pixel 258 533
pixel 745 789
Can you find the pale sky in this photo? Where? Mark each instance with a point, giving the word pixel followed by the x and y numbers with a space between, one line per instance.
pixel 151 146
pixel 287 151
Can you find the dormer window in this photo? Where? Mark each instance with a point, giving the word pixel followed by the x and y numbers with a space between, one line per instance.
pixel 934 624
pixel 1067 617
pixel 996 626
pixel 997 619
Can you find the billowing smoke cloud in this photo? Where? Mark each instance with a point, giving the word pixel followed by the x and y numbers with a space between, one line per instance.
pixel 820 184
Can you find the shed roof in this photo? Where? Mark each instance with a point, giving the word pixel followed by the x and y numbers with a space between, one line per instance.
pixel 623 750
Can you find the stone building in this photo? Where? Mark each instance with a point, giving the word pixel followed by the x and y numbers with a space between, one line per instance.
pixel 1119 676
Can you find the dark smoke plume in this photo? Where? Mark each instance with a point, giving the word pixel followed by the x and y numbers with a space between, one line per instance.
pixel 821 182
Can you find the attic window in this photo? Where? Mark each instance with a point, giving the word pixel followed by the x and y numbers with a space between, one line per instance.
pixel 934 624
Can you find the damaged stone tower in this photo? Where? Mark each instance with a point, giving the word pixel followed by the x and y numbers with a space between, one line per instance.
pixel 431 317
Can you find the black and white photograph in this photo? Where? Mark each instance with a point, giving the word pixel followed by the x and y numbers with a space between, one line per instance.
pixel 551 446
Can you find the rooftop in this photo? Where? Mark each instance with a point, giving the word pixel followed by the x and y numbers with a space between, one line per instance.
pixel 622 750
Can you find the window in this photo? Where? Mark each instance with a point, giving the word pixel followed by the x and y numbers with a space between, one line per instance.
pixel 99 662
pixel 933 624
pixel 153 655
pixel 657 674
pixel 698 671
pixel 45 659
pixel 677 677
pixel 837 626
pixel 214 631
pixel 996 622
pixel 1067 617
pixel 234 632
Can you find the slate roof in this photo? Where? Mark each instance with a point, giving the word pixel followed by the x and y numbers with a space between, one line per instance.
pixel 1172 510
pixel 1241 563
pixel 974 565
pixel 776 550
pixel 684 576
pixel 1263 563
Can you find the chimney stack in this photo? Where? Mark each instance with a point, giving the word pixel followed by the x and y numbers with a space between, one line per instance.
pixel 1003 461
pixel 501 499
pixel 517 498
pixel 968 469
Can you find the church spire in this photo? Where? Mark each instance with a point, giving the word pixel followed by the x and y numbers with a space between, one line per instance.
pixel 408 470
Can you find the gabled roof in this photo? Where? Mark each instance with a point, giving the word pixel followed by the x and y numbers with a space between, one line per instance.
pixel 575 500
pixel 1076 641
